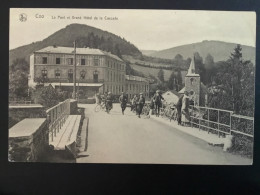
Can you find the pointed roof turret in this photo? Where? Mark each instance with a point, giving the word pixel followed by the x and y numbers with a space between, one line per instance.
pixel 192 70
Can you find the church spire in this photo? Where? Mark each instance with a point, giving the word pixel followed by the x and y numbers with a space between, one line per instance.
pixel 192 70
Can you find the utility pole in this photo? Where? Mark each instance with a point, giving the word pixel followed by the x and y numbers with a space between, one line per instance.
pixel 74 72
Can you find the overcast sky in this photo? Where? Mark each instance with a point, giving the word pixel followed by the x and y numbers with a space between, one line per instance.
pixel 146 29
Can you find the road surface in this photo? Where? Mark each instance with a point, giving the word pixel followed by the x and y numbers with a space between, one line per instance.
pixel 117 138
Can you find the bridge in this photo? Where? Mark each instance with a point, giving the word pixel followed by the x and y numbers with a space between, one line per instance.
pixel 117 138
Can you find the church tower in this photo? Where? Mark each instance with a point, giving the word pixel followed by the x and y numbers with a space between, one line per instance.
pixel 192 84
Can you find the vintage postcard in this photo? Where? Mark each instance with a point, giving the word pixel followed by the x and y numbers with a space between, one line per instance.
pixel 131 86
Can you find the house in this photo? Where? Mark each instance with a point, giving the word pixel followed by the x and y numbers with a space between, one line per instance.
pixel 171 96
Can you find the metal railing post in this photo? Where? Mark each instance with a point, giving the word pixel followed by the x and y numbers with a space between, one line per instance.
pixel 208 120
pixel 199 118
pixel 218 124
pixel 49 128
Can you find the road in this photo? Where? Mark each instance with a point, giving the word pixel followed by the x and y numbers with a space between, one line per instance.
pixel 117 138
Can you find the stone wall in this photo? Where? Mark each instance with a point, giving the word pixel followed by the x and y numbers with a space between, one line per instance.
pixel 18 114
pixel 28 140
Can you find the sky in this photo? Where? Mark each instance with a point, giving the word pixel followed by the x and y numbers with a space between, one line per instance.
pixel 146 29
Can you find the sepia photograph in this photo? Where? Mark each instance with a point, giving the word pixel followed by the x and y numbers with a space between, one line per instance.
pixel 130 86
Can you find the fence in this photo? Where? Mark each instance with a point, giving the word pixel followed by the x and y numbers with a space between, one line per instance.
pixel 56 117
pixel 221 121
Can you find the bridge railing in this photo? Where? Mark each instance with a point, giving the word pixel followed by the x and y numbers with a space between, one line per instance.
pixel 56 117
pixel 221 121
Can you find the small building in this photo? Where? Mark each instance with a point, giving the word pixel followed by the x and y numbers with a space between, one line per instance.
pixel 171 96
pixel 136 85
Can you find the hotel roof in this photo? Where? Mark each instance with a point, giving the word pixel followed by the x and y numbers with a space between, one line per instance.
pixel 82 51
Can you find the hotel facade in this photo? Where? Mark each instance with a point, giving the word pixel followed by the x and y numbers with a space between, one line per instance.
pixel 97 71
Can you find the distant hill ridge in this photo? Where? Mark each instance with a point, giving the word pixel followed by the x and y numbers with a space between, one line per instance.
pixel 218 49
pixel 64 37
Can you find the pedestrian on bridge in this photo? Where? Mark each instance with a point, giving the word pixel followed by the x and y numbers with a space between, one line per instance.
pixel 158 102
pixel 178 106
pixel 140 104
pixel 123 102
pixel 185 117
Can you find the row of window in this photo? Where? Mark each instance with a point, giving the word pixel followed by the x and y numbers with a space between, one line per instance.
pixel 137 87
pixel 112 76
pixel 70 61
pixel 115 66
pixel 115 89
pixel 70 73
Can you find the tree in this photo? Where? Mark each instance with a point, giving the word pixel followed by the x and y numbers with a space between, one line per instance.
pixel 179 80
pixel 18 78
pixel 172 82
pixel 235 78
pixel 209 66
pixel 199 66
pixel 161 75
pixel 178 60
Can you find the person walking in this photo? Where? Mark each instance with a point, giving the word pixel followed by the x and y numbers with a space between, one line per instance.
pixel 185 116
pixel 109 104
pixel 133 102
pixel 136 104
pixel 123 102
pixel 140 104
pixel 158 102
pixel 178 106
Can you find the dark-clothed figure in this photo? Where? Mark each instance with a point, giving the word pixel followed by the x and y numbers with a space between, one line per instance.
pixel 123 102
pixel 158 102
pixel 140 104
pixel 185 117
pixel 178 106
pixel 136 104
pixel 133 103
pixel 109 104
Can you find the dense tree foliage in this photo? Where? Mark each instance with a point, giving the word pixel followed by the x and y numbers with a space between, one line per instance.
pixel 18 79
pixel 161 75
pixel 106 44
pixel 233 84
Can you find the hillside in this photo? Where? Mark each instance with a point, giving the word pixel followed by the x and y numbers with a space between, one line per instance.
pixel 148 52
pixel 218 49
pixel 85 35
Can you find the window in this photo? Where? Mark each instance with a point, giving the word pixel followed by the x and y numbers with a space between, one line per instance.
pixel 57 73
pixel 95 76
pixel 44 73
pixel 70 61
pixel 96 61
pixel 82 74
pixel 192 81
pixel 130 86
pixel 44 60
pixel 83 62
pixel 111 77
pixel 57 60
pixel 70 75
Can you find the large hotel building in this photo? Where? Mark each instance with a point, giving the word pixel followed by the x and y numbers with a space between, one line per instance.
pixel 96 71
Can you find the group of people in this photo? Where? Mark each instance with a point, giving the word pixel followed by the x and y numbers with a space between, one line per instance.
pixel 138 102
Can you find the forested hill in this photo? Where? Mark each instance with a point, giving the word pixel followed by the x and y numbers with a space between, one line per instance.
pixel 85 35
pixel 218 49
